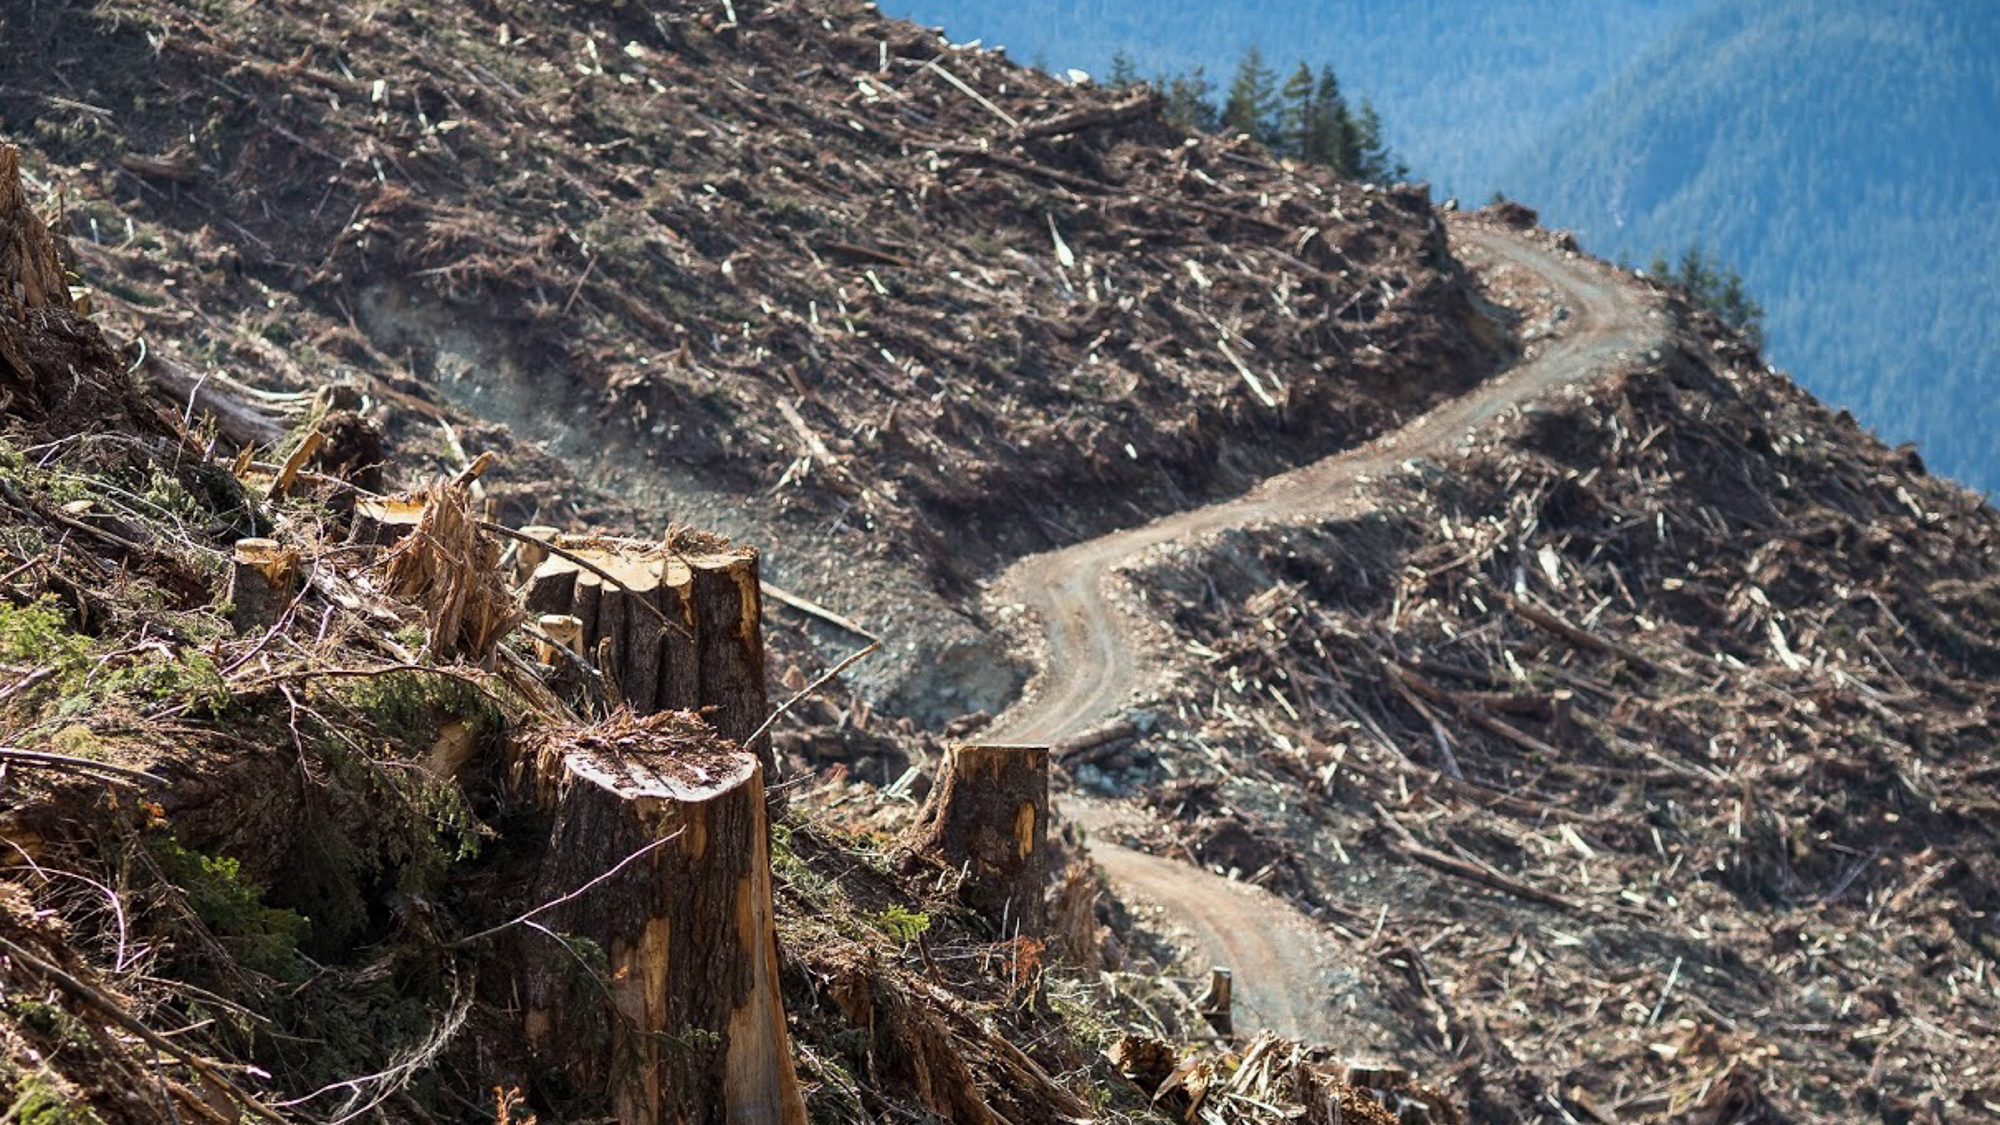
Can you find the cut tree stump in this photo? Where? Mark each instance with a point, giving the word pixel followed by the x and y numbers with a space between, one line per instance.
pixel 685 629
pixel 383 521
pixel 988 814
pixel 687 1022
pixel 528 557
pixel 563 631
pixel 728 603
pixel 263 577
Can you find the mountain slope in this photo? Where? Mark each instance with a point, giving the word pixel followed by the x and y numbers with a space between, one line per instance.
pixel 698 259
pixel 1844 156
pixel 1462 87
pixel 1629 756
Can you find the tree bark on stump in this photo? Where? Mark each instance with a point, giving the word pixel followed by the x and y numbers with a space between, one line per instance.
pixel 728 604
pixel 687 1023
pixel 988 814
pixel 263 576
pixel 686 630
pixel 1217 1005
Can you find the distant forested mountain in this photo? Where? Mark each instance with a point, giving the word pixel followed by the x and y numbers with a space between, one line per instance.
pixel 1462 86
pixel 1844 155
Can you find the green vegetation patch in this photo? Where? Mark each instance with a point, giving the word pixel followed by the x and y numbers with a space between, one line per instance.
pixel 262 938
pixel 41 1103
pixel 38 636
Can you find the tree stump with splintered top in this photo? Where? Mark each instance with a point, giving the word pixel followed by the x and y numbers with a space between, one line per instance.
pixel 988 814
pixel 263 576
pixel 686 1021
pixel 685 628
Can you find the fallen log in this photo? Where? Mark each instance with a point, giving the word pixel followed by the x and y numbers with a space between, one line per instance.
pixel 1549 622
pixel 1081 743
pixel 814 609
pixel 659 858
pixel 987 815
pixel 1146 104
pixel 234 407
pixel 1430 857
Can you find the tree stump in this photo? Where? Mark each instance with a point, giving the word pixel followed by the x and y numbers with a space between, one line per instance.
pixel 1217 1004
pixel 564 633
pixel 528 557
pixel 988 814
pixel 263 576
pixel 686 1023
pixel 728 603
pixel 685 630
pixel 383 521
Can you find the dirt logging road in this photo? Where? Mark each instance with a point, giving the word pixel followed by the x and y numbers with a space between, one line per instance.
pixel 1094 660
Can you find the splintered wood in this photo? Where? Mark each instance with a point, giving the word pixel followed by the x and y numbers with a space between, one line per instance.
pixel 450 567
pixel 671 629
pixel 686 1022
pixel 28 261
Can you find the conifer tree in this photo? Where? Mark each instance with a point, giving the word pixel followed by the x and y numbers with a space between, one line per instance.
pixel 1714 287
pixel 1298 116
pixel 1376 163
pixel 1124 73
pixel 1333 142
pixel 1253 99
pixel 1189 103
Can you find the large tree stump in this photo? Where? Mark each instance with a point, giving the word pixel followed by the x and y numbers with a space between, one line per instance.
pixel 685 629
pixel 988 813
pixel 687 1023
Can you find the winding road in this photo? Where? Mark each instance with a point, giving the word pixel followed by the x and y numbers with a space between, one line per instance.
pixel 1094 661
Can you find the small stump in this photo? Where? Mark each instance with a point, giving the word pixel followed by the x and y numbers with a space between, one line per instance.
pixel 988 813
pixel 687 1023
pixel 263 576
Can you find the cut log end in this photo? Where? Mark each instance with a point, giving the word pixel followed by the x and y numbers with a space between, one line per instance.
pixel 383 521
